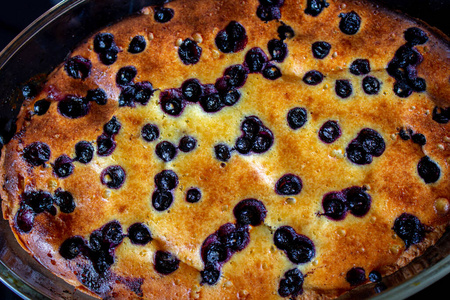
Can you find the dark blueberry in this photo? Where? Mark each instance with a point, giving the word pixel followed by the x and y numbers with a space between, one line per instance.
pixel 98 95
pixel 214 253
pixel 301 250
pixel 112 234
pixel 103 42
pixel 172 102
pixel 343 88
pixel 441 115
pixel 358 201
pixel 192 90
pixel 409 229
pixel 356 276
pixel 405 134
pixel 415 36
pixel 211 102
pixel 251 126
pixel 84 152
pixel 189 52
pixel 71 247
pixel 163 14
pixel 243 145
pixel 162 200
pixel 419 139
pixel 233 237
pixel 268 13
pixel 112 127
pixel 277 50
pixel 360 67
pixel 102 261
pixel 350 23
pixel 210 275
pixel 25 218
pixel 297 117
pixel 39 201
pixel 78 67
pixel 139 234
pixel 329 132
pixel 65 201
pixel 29 91
pixel 193 195
pixel 255 60
pixel 109 56
pixel 271 72
pixel 288 184
pixel 428 170
pixel 73 107
pixel 320 50
pixel 63 166
pixel 291 284
pixel 127 96
pixel 166 180
pixel 313 77
pixel 235 76
pixel 113 177
pixel 125 75
pixel 375 276
pixel 334 206
pixel 250 212
pixel 137 44
pixel 263 141
pixel 143 92
pixel 406 56
pixel 418 84
pixel 222 152
pixel 150 132
pixel 36 153
pixel 166 151
pixel 315 7
pixel 285 32
pixel 41 107
pixel 96 241
pixel 166 262
pixel 371 85
pixel 187 143
pixel 231 97
pixel 105 145
pixel 283 237
pixel 396 71
pixel 356 154
pixel 231 39
pixel 371 141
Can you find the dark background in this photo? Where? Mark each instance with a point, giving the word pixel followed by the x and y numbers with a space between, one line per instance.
pixel 17 14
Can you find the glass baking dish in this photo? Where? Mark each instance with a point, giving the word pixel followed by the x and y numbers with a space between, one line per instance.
pixel 47 42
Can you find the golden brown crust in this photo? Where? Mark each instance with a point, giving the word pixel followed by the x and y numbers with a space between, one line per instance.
pixel 391 180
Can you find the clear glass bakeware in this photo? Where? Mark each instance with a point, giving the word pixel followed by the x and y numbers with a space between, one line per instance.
pixel 41 47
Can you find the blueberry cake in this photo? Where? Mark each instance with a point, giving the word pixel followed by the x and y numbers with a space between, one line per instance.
pixel 240 149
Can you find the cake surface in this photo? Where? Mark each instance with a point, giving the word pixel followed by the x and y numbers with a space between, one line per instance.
pixel 254 149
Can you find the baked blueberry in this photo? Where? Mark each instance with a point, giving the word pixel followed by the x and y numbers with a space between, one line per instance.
pixel 36 153
pixel 187 143
pixel 97 95
pixel 162 200
pixel 263 141
pixel 222 152
pixel 163 14
pixel 109 56
pixel 371 141
pixel 407 56
pixel 39 201
pixel 71 247
pixel 63 166
pixel 112 127
pixel 166 151
pixel 193 195
pixel 166 262
pixel 441 115
pixel 357 155
pixel 102 261
pixel 277 49
pixel 371 85
pixel 284 237
pixel 143 91
pixel 428 170
pixel 250 212
pixel 343 88
pixel 78 67
pixel 409 229
pixel 150 132
pixel 271 72
pixel 103 42
pixel 105 145
pixel 320 49
pixel 29 90
pixel 25 218
pixel 65 201
pixel 125 75
pixel 235 76
pixel 243 145
pixel 375 276
pixel 297 117
pixel 419 139
pixel 139 234
pixel 166 180
pixel 288 184
pixel 313 77
pixel 291 284
pixel 171 101
pixel 232 38
pixel 358 201
pixel 112 234
pixel 210 275
pixel 213 253
pixel 189 52
pixel 334 206
pixel 329 132
pixel 255 60
pixel 360 67
pixel 231 97
pixel 301 250
pixel 192 90
pixel 356 276
pixel 405 134
pixel 84 152
pixel 233 237
pixel 350 23
pixel 315 7
pixel 268 13
pixel 418 84
pixel 137 44
pixel 211 101
pixel 415 36
pixel 73 107
pixel 41 107
pixel 251 126
pixel 113 177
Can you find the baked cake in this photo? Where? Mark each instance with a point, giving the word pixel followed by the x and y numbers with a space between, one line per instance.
pixel 236 149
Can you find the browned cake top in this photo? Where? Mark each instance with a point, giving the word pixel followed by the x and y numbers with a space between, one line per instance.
pixel 247 149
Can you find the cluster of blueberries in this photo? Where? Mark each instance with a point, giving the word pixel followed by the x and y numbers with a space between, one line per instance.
pixel 354 199
pixel 167 151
